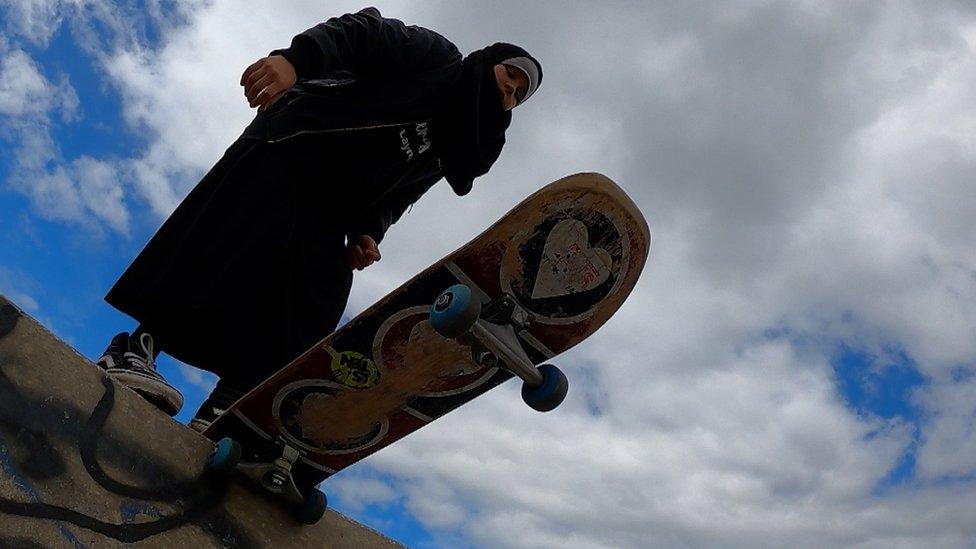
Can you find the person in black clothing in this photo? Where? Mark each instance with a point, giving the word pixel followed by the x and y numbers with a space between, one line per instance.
pixel 356 120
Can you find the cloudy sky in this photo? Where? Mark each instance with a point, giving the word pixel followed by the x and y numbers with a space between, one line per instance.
pixel 797 365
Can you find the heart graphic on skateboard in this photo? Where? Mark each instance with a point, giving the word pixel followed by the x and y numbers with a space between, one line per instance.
pixel 562 268
pixel 569 265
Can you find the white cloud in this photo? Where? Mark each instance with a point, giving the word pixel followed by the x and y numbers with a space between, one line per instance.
pixel 102 192
pixel 357 491
pixel 197 378
pixel 699 454
pixel 26 93
pixel 85 191
pixel 950 448
pixel 36 20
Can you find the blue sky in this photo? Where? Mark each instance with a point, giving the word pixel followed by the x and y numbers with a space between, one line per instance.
pixel 802 344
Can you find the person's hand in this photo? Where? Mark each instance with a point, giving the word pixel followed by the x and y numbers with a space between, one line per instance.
pixel 362 252
pixel 266 79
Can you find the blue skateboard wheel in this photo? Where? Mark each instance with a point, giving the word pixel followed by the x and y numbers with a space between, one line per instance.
pixel 226 455
pixel 550 393
pixel 312 510
pixel 454 311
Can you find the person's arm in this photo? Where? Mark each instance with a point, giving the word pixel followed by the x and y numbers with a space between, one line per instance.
pixel 364 43
pixel 367 44
pixel 377 220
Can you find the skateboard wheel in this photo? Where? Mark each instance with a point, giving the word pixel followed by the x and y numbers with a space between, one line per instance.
pixel 313 508
pixel 226 455
pixel 550 393
pixel 454 311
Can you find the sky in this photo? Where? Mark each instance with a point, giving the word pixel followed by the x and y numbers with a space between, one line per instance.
pixel 797 364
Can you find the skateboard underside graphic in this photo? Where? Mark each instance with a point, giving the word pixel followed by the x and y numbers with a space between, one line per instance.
pixel 538 281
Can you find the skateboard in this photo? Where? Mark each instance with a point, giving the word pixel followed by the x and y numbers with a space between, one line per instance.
pixel 540 280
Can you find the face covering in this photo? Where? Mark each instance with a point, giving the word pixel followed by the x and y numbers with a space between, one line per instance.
pixel 474 122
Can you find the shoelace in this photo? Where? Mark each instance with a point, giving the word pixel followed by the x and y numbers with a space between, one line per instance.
pixel 145 363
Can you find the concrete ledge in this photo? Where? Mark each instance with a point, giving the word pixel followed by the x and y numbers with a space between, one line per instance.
pixel 85 462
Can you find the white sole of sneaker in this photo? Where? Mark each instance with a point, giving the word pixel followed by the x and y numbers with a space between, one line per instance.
pixel 199 425
pixel 159 393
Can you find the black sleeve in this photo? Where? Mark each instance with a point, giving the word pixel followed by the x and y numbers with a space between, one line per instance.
pixel 377 220
pixel 367 44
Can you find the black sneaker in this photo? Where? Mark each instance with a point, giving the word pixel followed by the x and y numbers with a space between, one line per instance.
pixel 205 416
pixel 223 395
pixel 131 363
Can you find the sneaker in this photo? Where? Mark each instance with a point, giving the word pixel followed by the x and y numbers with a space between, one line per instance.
pixel 132 364
pixel 223 395
pixel 205 416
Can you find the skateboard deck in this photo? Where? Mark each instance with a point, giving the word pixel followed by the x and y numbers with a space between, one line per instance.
pixel 547 275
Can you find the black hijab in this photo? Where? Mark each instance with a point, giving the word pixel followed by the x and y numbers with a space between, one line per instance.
pixel 474 121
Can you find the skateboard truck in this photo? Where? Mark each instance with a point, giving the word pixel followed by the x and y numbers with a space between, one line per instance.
pixel 274 476
pixel 506 310
pixel 456 313
pixel 500 338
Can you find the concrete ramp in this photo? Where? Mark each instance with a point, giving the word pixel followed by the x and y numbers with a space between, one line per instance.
pixel 85 462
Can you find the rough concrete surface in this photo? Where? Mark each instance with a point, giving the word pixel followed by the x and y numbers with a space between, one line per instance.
pixel 85 462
